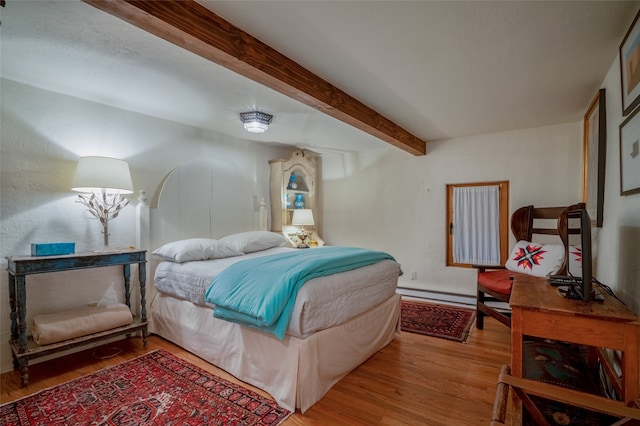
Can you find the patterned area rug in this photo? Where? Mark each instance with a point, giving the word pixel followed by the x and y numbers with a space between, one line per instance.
pixel 447 322
pixel 154 389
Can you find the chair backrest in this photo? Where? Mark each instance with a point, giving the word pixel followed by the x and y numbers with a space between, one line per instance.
pixel 529 221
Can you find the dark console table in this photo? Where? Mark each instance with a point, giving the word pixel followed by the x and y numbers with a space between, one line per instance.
pixel 23 347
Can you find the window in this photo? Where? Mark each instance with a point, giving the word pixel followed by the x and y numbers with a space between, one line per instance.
pixel 472 211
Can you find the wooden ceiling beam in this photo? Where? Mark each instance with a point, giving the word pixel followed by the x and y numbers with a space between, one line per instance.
pixel 195 28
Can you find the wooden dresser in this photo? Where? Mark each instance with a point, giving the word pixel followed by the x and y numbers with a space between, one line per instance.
pixel 539 310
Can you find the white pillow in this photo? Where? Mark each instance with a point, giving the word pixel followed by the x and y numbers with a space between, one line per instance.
pixel 540 260
pixel 251 241
pixel 196 249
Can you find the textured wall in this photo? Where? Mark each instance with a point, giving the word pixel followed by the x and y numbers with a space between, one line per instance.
pixel 43 134
pixel 396 202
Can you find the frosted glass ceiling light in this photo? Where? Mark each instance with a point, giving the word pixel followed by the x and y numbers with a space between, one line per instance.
pixel 106 179
pixel 256 121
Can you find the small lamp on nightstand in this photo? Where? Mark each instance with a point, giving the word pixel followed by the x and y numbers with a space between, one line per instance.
pixel 106 179
pixel 302 218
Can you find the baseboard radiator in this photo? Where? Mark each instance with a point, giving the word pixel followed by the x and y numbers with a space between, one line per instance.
pixel 463 300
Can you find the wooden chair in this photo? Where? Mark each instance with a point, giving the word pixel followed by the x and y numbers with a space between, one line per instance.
pixel 494 282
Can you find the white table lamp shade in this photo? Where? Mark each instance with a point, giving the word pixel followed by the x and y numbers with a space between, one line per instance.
pixel 93 174
pixel 302 217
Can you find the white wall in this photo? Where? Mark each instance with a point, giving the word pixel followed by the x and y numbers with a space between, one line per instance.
pixel 395 202
pixel 43 134
pixel 618 261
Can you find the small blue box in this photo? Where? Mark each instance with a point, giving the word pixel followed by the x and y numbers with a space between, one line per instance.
pixel 52 249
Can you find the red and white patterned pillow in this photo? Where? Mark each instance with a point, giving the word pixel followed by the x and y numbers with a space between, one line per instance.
pixel 575 261
pixel 540 260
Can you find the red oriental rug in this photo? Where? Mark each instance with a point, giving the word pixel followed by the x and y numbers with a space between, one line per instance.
pixel 445 321
pixel 154 389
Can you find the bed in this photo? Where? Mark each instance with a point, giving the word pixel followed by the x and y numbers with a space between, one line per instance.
pixel 338 321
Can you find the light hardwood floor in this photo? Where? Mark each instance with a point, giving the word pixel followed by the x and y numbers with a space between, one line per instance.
pixel 415 380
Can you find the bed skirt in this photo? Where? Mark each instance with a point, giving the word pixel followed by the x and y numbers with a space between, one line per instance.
pixel 295 372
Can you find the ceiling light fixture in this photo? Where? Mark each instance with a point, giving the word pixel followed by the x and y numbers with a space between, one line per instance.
pixel 256 121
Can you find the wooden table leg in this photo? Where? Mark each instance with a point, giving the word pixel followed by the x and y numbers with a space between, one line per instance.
pixel 631 361
pixel 142 277
pixel 24 371
pixel 516 362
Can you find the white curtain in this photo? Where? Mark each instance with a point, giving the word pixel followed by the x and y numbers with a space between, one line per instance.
pixel 476 225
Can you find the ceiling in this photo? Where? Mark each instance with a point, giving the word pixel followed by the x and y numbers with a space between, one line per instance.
pixel 439 70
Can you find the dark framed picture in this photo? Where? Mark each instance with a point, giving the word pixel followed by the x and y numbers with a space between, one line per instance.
pixel 630 67
pixel 630 155
pixel 594 157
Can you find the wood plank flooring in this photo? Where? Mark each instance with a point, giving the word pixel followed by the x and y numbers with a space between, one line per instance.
pixel 415 380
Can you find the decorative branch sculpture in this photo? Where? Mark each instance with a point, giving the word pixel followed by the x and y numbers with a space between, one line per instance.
pixel 104 208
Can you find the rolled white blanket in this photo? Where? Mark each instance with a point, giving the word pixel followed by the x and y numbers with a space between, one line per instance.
pixel 59 326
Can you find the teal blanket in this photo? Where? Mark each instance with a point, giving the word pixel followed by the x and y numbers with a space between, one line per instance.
pixel 261 292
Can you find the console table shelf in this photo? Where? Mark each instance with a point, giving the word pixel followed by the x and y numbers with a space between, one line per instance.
pixel 23 348
pixel 35 350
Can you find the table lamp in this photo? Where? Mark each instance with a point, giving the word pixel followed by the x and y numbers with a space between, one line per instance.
pixel 105 180
pixel 302 218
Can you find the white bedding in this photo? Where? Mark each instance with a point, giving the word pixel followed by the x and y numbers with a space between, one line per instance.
pixel 321 303
pixel 190 280
pixel 296 371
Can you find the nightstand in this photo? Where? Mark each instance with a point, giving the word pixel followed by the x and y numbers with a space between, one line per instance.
pixel 23 348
